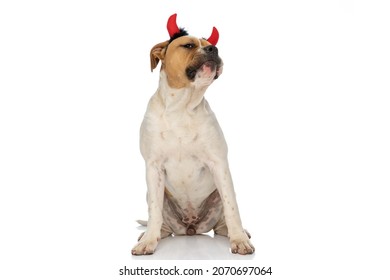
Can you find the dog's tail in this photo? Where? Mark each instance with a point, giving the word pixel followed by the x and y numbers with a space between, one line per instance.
pixel 142 222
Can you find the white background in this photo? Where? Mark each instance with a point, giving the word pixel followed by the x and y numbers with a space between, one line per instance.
pixel 303 102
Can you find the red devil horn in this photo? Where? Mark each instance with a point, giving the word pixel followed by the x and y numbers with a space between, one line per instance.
pixel 172 25
pixel 213 39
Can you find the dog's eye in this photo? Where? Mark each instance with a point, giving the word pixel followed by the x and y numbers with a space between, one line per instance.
pixel 189 46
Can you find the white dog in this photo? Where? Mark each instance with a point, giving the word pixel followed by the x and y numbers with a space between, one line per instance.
pixel 190 189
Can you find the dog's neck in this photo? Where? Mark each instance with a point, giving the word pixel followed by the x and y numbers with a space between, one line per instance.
pixel 181 99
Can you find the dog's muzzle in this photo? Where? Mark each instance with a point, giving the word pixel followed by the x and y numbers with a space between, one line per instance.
pixel 209 59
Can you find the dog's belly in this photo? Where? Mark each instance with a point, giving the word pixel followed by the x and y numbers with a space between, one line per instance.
pixel 192 204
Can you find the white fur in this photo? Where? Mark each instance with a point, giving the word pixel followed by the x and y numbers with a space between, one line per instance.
pixel 180 136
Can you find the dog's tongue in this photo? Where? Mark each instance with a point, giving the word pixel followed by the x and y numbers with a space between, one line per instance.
pixel 208 66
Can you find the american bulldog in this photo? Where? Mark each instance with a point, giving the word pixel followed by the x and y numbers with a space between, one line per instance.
pixel 189 185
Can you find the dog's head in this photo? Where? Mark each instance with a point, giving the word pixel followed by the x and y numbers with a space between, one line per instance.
pixel 186 59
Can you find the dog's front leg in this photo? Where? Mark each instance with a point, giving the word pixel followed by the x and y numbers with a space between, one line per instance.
pixel 155 183
pixel 239 240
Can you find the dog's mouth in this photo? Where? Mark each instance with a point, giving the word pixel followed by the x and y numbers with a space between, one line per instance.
pixel 213 65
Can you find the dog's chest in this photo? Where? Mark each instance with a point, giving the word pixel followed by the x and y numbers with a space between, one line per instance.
pixel 182 142
pixel 183 147
pixel 181 135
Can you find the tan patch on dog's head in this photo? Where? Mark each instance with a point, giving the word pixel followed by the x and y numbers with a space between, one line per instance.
pixel 176 57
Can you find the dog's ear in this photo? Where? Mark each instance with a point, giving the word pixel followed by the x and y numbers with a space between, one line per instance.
pixel 157 53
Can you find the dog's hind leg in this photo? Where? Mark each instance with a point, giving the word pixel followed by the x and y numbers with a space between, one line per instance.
pixel 221 229
pixel 165 230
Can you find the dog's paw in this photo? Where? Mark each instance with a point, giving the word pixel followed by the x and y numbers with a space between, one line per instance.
pixel 241 246
pixel 145 247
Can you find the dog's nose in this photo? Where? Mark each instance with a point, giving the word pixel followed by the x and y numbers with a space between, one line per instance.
pixel 211 49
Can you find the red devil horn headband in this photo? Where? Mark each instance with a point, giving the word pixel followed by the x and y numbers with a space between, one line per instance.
pixel 172 25
pixel 173 29
pixel 213 39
